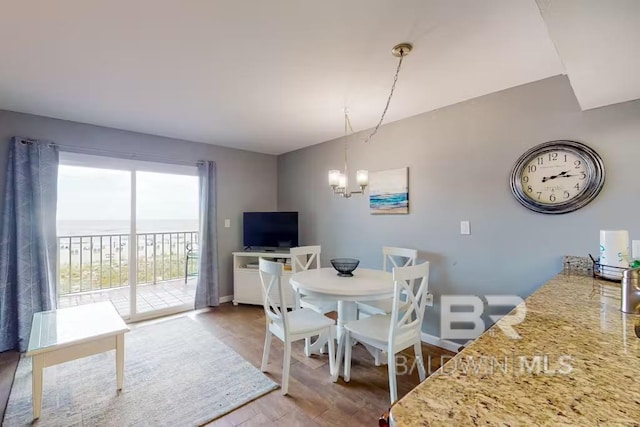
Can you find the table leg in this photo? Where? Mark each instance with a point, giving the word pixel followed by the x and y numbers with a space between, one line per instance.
pixel 120 360
pixel 347 311
pixel 36 372
pixel 316 346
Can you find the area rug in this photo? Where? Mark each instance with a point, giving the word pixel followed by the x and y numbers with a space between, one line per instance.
pixel 176 374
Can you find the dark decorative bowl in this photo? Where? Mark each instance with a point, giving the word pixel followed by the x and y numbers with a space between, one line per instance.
pixel 345 266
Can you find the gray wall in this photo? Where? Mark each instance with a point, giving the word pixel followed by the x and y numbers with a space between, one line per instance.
pixel 459 160
pixel 246 180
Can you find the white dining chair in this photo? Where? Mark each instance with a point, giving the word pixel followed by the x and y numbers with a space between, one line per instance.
pixel 391 258
pixel 303 258
pixel 396 331
pixel 288 326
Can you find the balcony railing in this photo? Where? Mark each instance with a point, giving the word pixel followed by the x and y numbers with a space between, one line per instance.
pixel 96 262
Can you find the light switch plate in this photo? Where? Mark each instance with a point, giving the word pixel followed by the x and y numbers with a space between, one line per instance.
pixel 227 223
pixel 465 228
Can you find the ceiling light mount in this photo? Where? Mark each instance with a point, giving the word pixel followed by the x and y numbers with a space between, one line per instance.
pixel 339 180
pixel 402 49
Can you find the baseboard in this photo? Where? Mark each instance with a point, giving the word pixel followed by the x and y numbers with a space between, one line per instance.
pixel 227 298
pixel 439 342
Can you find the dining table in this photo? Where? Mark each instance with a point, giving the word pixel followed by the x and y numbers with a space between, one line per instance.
pixel 324 283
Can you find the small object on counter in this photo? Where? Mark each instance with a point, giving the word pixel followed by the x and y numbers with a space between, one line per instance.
pixel 614 253
pixel 635 264
pixel 606 271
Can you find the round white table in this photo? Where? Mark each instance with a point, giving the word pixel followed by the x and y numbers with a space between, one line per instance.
pixel 366 284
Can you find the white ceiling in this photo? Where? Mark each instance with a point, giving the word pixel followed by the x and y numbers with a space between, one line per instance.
pixel 599 43
pixel 268 76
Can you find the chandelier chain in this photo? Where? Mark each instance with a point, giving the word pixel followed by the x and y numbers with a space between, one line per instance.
pixel 347 128
pixel 339 181
pixel 386 107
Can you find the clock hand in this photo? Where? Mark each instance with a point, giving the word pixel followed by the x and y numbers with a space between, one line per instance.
pixel 549 178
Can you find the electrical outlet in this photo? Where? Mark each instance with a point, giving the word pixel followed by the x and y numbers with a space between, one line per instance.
pixel 429 300
pixel 227 223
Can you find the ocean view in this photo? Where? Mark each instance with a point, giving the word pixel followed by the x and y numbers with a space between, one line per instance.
pixel 100 227
pixel 94 255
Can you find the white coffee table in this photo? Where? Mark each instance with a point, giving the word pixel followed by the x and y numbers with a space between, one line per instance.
pixel 66 334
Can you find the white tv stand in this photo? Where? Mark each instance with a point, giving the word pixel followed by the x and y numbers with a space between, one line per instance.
pixel 247 288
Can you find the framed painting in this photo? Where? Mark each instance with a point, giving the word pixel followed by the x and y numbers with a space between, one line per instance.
pixel 389 192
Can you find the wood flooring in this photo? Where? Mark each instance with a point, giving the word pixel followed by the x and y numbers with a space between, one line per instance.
pixel 313 400
pixel 8 365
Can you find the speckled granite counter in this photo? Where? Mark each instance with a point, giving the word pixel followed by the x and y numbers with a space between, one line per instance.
pixel 587 370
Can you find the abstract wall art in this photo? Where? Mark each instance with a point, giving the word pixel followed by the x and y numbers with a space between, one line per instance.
pixel 389 192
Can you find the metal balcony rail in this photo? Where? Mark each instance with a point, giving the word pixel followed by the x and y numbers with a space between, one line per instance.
pixel 97 262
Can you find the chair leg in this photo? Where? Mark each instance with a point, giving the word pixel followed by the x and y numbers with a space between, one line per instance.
pixel 332 354
pixel 380 358
pixel 286 364
pixel 307 346
pixel 347 356
pixel 417 349
pixel 265 352
pixel 391 366
pixel 336 368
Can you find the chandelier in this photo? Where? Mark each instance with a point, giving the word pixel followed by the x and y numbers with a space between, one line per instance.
pixel 339 180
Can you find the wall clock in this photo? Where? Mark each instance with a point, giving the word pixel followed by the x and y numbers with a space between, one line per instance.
pixel 557 177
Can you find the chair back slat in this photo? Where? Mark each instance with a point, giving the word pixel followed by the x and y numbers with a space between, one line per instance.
pixel 303 258
pixel 413 283
pixel 272 294
pixel 398 257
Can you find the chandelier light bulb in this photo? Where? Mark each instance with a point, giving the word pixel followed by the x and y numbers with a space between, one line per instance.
pixel 342 181
pixel 362 177
pixel 334 178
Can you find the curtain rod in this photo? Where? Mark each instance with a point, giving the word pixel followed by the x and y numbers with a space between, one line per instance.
pixel 125 155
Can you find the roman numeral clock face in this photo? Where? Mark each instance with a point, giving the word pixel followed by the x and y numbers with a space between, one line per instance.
pixel 557 177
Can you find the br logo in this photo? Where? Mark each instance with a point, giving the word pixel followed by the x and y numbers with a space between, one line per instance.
pixel 449 317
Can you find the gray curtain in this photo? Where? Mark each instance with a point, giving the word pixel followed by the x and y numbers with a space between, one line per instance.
pixel 207 294
pixel 28 245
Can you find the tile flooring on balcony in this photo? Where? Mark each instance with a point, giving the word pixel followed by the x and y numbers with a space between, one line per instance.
pixel 150 297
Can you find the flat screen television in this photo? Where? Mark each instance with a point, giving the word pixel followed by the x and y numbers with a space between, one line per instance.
pixel 270 230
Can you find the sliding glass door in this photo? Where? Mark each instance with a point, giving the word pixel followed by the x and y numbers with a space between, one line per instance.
pixel 93 236
pixel 167 233
pixel 128 233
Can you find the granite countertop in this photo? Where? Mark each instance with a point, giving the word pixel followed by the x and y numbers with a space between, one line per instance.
pixel 588 371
